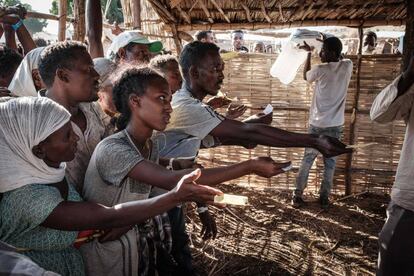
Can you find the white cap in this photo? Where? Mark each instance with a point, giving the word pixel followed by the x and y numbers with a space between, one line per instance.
pixel 127 37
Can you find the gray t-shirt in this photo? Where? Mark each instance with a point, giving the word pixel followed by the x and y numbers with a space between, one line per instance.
pixel 107 183
pixel 106 179
pixel 190 124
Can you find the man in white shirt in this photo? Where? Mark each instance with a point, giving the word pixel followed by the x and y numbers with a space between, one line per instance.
pixel 326 115
pixel 396 244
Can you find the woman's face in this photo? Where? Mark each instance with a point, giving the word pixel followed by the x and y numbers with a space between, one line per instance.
pixel 154 106
pixel 58 147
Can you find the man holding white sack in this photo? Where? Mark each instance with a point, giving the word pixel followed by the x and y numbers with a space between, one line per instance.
pixel 326 115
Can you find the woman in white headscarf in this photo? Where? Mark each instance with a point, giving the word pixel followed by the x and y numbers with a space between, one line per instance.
pixel 40 212
pixel 26 80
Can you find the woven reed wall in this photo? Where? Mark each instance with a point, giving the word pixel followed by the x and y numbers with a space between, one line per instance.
pixel 247 77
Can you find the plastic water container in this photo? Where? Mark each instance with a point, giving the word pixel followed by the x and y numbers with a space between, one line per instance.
pixel 291 57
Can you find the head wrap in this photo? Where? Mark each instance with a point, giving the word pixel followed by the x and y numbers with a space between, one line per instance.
pixel 24 123
pixel 22 83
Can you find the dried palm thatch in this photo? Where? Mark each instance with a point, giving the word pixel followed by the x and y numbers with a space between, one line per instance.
pixel 371 169
pixel 187 15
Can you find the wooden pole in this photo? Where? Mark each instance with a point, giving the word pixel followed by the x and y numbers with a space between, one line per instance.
pixel 177 40
pixel 409 34
pixel 278 25
pixel 79 25
pixel 354 116
pixel 136 14
pixel 63 7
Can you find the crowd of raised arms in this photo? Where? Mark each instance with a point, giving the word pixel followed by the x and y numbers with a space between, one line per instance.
pixel 98 149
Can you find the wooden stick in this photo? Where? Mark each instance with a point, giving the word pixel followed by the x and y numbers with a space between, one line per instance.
pixel 263 8
pixel 79 24
pixel 349 196
pixel 220 10
pixel 63 6
pixel 206 11
pixel 281 25
pixel 32 14
pixel 160 7
pixel 184 15
pixel 249 18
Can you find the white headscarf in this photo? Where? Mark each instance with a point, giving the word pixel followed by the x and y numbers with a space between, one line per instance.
pixel 22 83
pixel 24 123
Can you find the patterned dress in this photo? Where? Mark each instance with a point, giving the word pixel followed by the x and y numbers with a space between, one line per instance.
pixel 21 213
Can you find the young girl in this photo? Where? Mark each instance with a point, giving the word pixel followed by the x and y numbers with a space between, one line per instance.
pixel 124 167
pixel 40 212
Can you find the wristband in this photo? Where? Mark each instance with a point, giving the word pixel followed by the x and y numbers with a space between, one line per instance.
pixel 202 209
pixel 17 25
pixel 170 165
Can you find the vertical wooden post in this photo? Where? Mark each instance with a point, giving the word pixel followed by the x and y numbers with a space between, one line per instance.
pixel 177 40
pixel 409 33
pixel 79 15
pixel 136 14
pixel 352 127
pixel 63 7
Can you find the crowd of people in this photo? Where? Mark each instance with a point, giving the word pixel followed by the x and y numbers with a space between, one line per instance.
pixel 99 150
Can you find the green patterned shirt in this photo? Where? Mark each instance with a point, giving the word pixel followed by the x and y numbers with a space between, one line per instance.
pixel 21 213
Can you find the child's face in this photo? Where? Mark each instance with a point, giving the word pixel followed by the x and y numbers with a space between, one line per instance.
pixel 155 106
pixel 173 76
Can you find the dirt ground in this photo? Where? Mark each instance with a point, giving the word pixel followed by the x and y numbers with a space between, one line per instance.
pixel 270 237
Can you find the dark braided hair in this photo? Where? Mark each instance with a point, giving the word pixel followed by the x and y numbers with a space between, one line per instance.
pixel 58 55
pixel 132 80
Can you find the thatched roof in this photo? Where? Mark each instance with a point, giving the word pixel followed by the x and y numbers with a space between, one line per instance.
pixel 188 15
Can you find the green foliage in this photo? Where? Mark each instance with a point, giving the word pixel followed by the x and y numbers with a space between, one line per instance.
pixel 113 13
pixel 55 7
pixel 33 25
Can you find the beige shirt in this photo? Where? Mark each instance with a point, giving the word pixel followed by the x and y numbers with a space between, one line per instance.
pixel 386 108
pixel 94 133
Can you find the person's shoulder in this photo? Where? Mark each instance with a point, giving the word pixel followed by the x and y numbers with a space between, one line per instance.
pixel 31 191
pixel 113 140
pixel 346 61
pixel 183 99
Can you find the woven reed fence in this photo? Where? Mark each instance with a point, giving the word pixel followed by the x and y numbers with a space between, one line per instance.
pixel 373 169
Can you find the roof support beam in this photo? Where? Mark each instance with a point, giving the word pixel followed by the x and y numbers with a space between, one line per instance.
pixel 263 25
pixel 220 10
pixel 263 8
pixel 184 15
pixel 246 8
pixel 203 6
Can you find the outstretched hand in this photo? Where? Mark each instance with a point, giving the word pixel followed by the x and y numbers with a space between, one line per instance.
pixel 260 118
pixel 267 167
pixel 218 101
pixel 330 146
pixel 188 190
pixel 234 111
